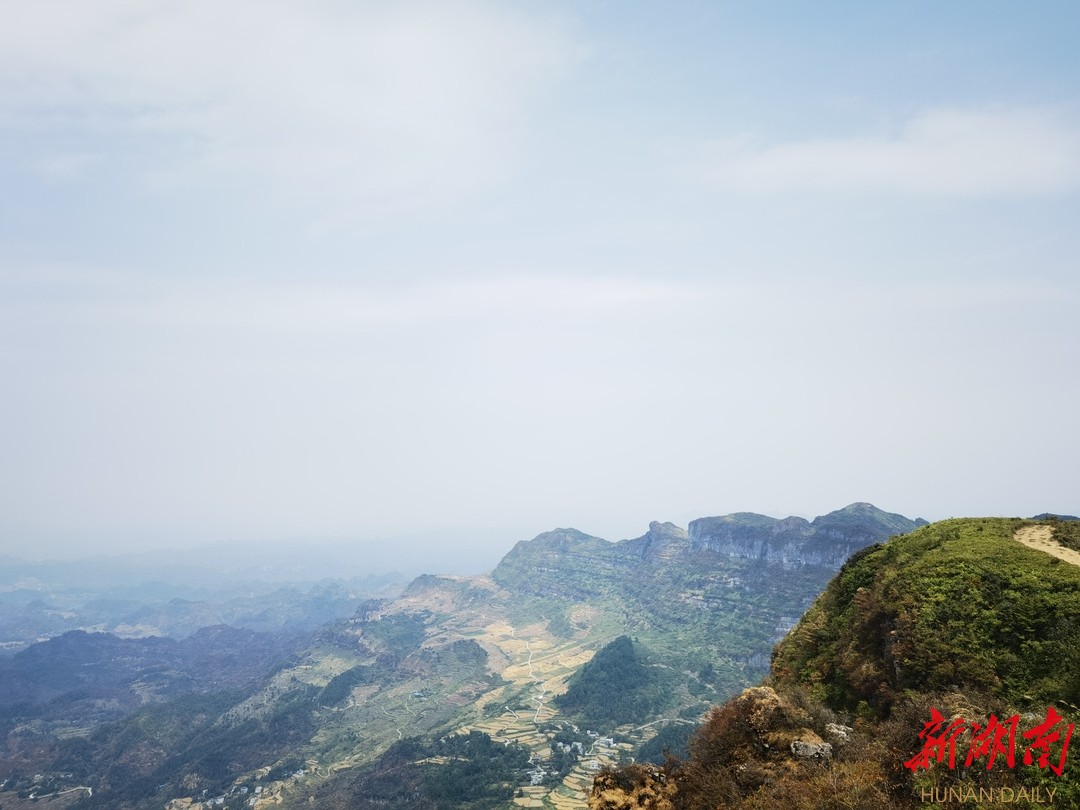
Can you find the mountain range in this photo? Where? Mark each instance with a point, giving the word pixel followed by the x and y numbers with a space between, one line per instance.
pixel 692 613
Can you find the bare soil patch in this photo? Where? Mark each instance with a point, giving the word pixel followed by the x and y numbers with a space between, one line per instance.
pixel 1041 538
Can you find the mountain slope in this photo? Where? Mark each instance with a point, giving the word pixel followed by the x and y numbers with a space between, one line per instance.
pixel 958 617
pixel 959 603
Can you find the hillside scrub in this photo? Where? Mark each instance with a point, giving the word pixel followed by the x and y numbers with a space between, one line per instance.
pixel 955 605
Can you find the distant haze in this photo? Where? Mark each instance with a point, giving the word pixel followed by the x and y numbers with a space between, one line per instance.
pixel 442 276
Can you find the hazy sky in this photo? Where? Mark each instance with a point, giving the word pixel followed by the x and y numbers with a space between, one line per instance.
pixel 276 269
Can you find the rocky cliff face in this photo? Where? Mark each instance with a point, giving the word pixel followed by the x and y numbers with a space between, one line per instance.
pixel 757 739
pixel 791 542
pixel 663 541
pixel 568 564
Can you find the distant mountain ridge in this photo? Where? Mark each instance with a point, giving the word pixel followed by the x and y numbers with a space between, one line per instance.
pixel 828 540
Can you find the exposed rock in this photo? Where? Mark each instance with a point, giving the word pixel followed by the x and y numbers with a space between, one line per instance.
pixel 752 741
pixel 839 734
pixel 814 748
pixel 568 564
pixel 750 536
pixel 663 540
pixel 632 788
pixel 793 541
pixel 761 707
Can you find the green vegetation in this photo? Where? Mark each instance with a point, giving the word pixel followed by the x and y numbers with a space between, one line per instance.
pixel 565 753
pixel 1066 532
pixel 478 773
pixel 673 739
pixel 401 633
pixel 614 688
pixel 341 686
pixel 183 745
pixel 958 604
pixel 458 772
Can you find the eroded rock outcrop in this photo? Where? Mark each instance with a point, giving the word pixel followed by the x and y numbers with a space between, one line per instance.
pixel 632 788
pixel 755 739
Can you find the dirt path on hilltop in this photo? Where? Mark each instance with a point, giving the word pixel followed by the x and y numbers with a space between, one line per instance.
pixel 1041 538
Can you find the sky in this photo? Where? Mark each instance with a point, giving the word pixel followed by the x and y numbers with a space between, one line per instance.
pixel 274 272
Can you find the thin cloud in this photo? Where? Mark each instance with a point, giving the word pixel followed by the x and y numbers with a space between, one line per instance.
pixel 939 153
pixel 338 308
pixel 64 295
pixel 325 104
pixel 61 167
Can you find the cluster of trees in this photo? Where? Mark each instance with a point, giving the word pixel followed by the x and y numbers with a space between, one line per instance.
pixel 458 772
pixel 614 688
pixel 399 633
pixel 341 686
pixel 673 739
pixel 565 748
pixel 477 773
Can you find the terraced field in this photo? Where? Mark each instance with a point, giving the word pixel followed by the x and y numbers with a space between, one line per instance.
pixel 541 667
pixel 532 667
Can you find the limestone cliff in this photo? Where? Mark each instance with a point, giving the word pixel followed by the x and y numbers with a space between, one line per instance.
pixel 790 542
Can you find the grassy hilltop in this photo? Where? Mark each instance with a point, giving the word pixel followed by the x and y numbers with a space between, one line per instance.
pixel 959 603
